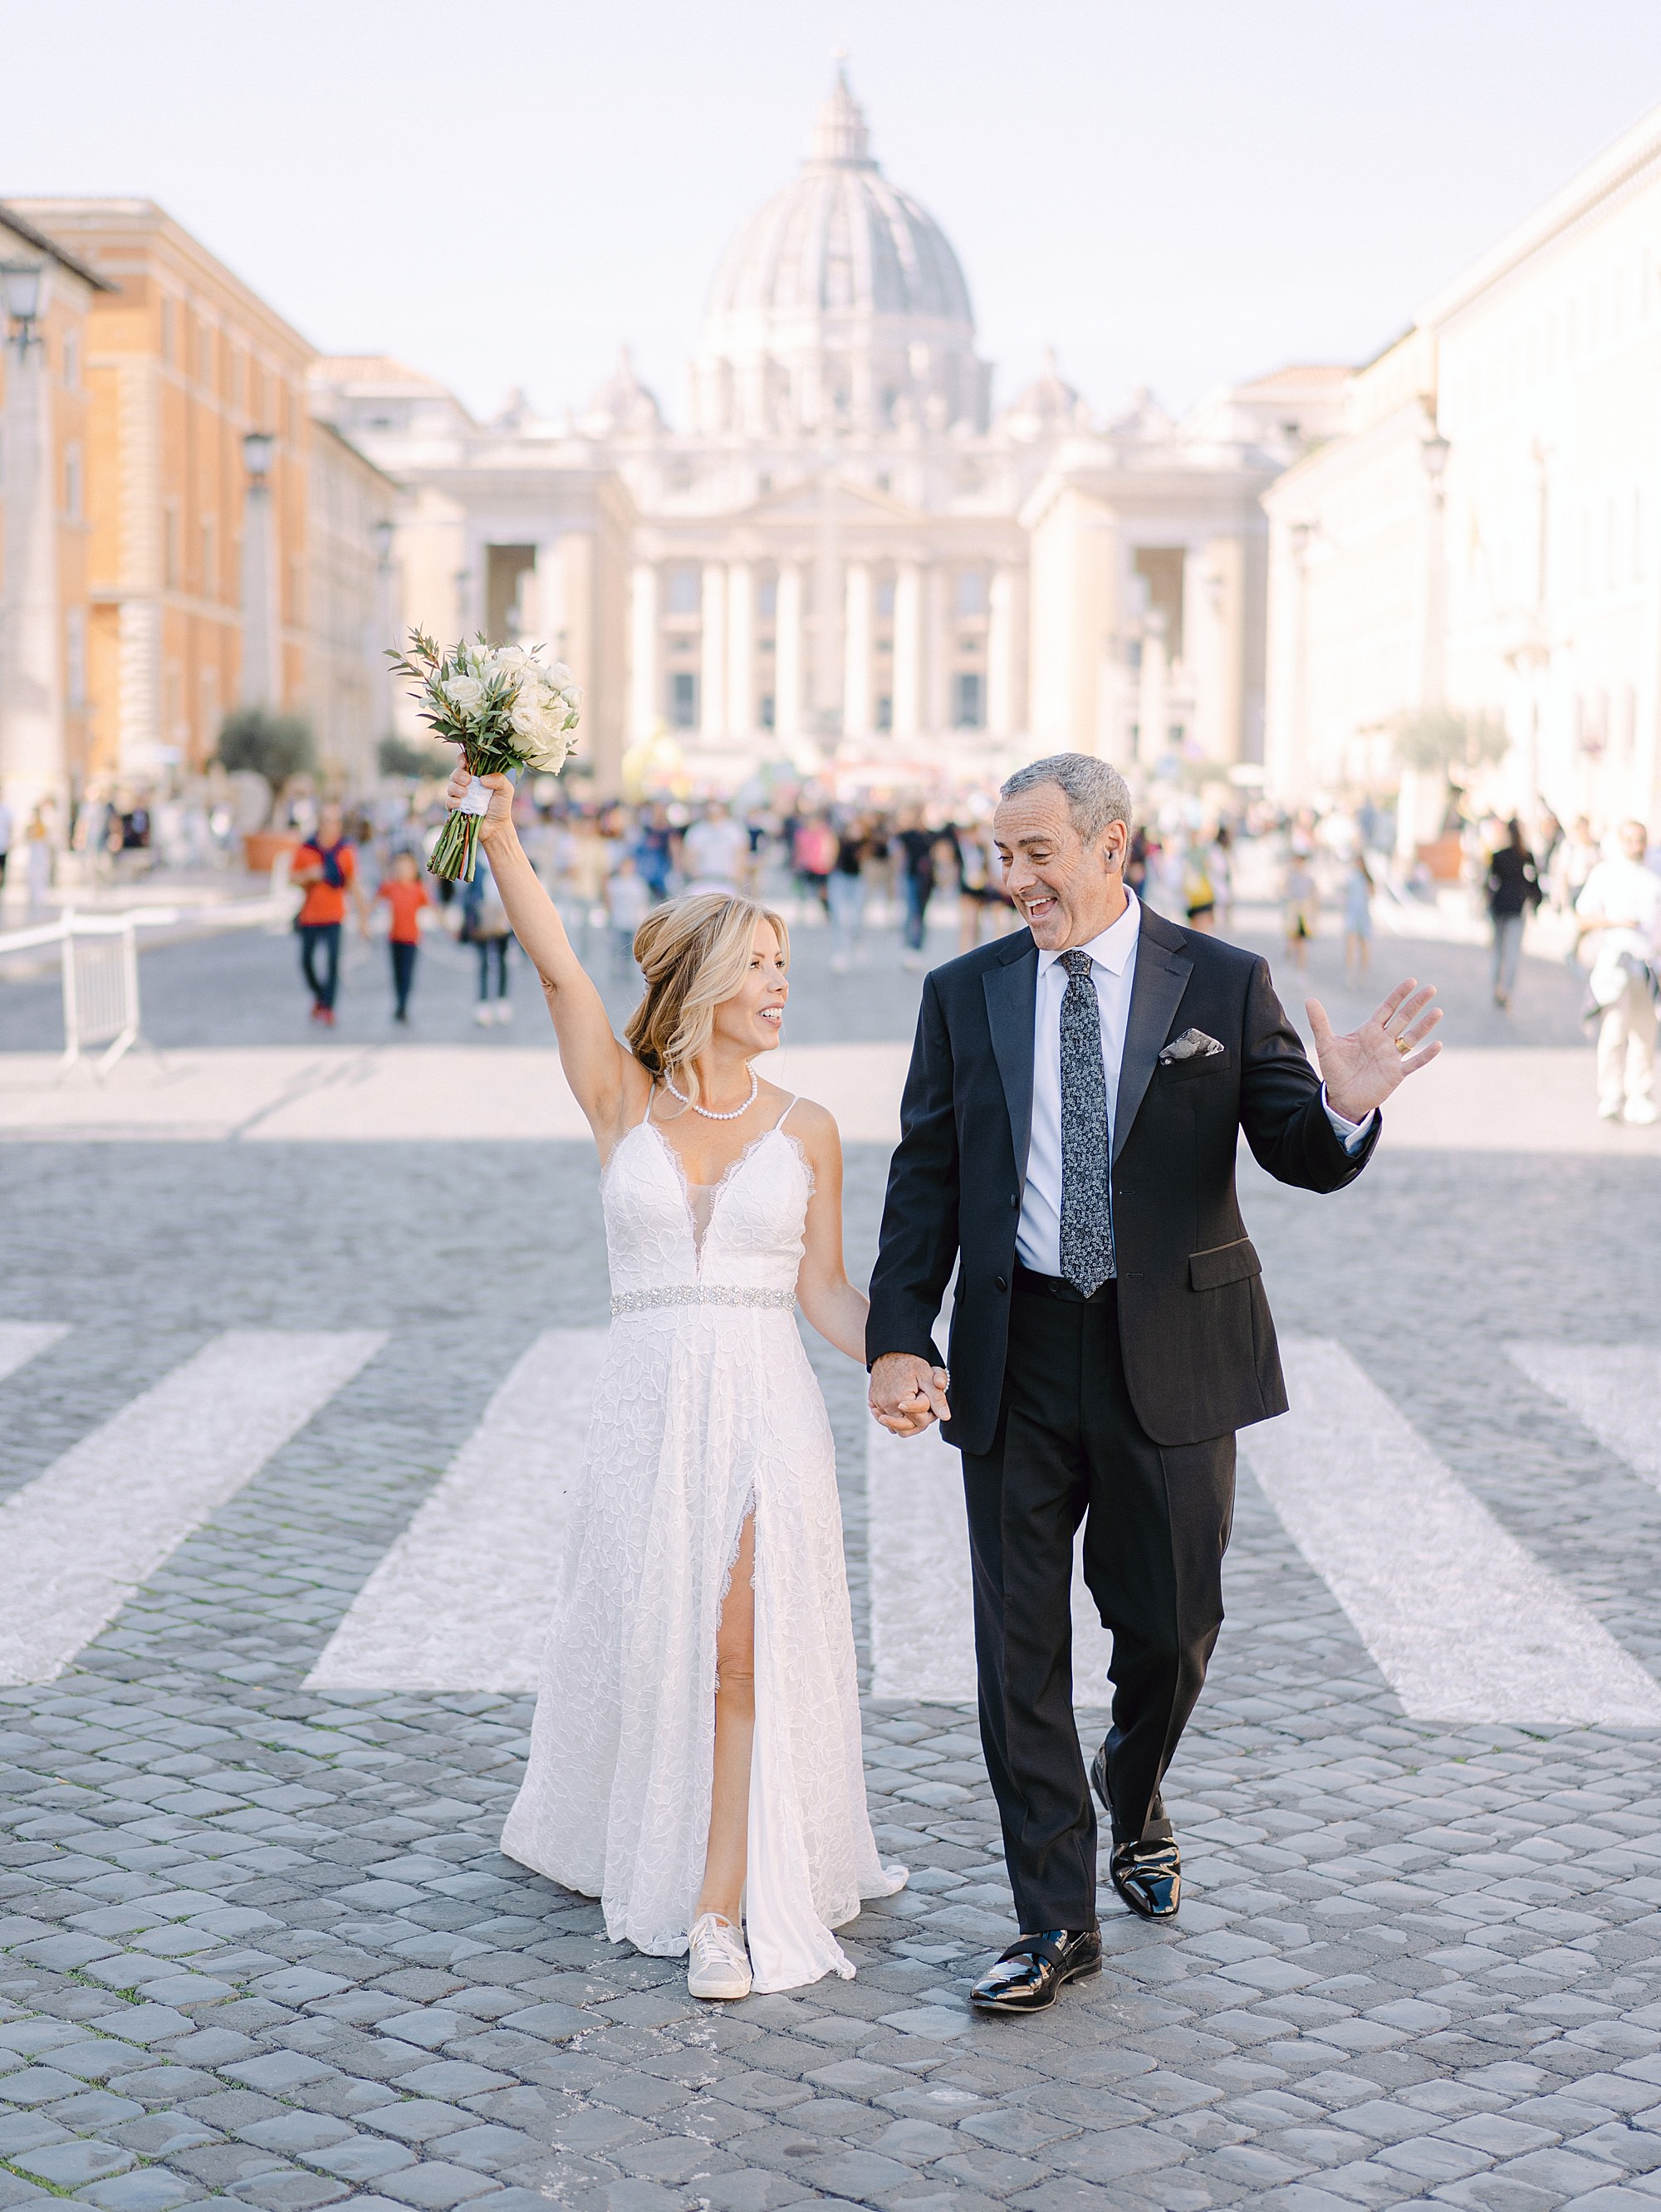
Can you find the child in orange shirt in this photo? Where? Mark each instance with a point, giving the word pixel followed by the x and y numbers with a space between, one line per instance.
pixel 406 894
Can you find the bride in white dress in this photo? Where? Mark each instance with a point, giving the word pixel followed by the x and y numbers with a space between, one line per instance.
pixel 695 1757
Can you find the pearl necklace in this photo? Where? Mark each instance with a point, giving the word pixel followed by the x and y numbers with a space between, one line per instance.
pixel 737 1113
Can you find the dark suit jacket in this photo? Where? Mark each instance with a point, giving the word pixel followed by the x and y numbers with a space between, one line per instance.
pixel 1200 1355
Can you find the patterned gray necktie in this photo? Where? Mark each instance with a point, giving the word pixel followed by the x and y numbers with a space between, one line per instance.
pixel 1087 1220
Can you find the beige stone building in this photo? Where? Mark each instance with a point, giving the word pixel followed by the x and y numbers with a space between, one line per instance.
pixel 1483 540
pixel 846 557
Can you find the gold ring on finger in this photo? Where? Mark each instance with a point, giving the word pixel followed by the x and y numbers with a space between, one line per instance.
pixel 1401 1046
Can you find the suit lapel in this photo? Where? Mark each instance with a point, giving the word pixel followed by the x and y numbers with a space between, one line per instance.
pixel 1012 998
pixel 1162 972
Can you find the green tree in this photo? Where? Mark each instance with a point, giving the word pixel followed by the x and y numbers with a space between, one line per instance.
pixel 1440 740
pixel 276 746
pixel 397 756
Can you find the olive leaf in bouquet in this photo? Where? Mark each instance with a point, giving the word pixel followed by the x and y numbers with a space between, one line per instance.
pixel 506 711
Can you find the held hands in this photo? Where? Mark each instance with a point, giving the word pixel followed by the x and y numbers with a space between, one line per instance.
pixel 907 1394
pixel 501 816
pixel 1362 1069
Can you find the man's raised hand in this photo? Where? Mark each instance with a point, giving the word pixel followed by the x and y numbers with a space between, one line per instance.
pixel 907 1394
pixel 1360 1070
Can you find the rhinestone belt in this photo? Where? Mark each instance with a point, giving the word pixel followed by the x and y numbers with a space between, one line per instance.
pixel 698 1294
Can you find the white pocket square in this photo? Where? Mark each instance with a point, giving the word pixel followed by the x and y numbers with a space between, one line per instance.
pixel 1193 1044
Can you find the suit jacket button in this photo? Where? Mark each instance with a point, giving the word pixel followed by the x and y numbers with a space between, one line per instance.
pixel 1000 1283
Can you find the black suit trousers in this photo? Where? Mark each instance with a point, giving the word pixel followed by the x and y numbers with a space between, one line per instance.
pixel 1068 1448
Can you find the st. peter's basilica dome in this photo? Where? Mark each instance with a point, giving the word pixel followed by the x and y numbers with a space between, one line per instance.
pixel 840 305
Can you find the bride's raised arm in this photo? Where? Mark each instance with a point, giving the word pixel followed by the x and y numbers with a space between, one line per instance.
pixel 596 1063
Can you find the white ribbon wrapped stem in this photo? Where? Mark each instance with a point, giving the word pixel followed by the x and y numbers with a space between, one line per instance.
pixel 476 799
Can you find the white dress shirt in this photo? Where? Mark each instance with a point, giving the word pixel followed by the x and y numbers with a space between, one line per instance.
pixel 1113 971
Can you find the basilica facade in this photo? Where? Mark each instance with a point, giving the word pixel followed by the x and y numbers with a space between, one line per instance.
pixel 845 557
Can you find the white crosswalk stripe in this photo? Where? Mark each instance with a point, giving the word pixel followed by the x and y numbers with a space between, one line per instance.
pixel 78 1540
pixel 1463 1623
pixel 461 1601
pixel 922 1627
pixel 20 1341
pixel 1614 1389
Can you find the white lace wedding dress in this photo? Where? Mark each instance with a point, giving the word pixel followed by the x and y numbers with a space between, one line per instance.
pixel 705 1407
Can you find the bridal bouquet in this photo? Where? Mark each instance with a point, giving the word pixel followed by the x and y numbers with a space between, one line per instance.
pixel 504 709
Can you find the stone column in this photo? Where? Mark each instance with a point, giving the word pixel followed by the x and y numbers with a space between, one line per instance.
pixel 937 678
pixel 908 650
pixel 856 708
pixel 261 681
pixel 645 680
pixel 32 763
pixel 787 652
pixel 1153 707
pixel 712 716
pixel 1003 718
pixel 740 650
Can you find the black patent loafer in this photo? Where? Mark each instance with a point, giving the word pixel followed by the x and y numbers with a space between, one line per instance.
pixel 1148 1876
pixel 1029 1975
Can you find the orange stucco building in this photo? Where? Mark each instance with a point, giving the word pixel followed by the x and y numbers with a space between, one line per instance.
pixel 182 360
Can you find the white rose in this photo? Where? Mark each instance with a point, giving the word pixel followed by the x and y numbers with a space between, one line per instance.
pixel 559 676
pixel 513 658
pixel 547 752
pixel 529 718
pixel 464 693
pixel 573 698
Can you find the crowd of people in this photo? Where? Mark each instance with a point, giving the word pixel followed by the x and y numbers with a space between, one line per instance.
pixel 852 869
pixel 861 867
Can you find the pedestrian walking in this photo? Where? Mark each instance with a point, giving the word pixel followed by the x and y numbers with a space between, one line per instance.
pixel 1621 907
pixel 37 859
pixel 695 1754
pixel 1219 862
pixel 1358 919
pixel 715 852
pixel 813 854
pixel 1072 1114
pixel 847 889
pixel 628 901
pixel 1513 891
pixel 1300 899
pixel 1576 858
pixel 916 845
pixel 405 895
pixel 1199 892
pixel 484 927
pixel 326 865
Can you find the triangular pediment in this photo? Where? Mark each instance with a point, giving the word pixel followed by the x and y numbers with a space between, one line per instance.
pixel 811 499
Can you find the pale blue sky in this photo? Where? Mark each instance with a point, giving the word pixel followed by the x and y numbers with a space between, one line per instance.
pixel 1175 192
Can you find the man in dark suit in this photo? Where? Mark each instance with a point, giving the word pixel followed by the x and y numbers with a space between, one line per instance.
pixel 1068 1142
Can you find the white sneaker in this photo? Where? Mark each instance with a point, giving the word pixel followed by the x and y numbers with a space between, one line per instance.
pixel 504 1012
pixel 482 1015
pixel 1609 1110
pixel 1640 1112
pixel 717 1966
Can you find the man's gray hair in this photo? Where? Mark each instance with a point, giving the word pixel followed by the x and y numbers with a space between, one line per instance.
pixel 1096 793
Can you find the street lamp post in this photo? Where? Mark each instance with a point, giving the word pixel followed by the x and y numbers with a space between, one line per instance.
pixel 386 624
pixel 260 686
pixel 32 763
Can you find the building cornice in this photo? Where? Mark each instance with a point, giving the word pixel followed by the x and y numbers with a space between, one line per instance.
pixel 27 231
pixel 1604 181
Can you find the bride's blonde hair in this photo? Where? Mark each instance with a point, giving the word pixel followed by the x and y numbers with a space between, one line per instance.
pixel 694 953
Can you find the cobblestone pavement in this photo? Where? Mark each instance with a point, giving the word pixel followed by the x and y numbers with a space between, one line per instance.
pixel 257 1944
